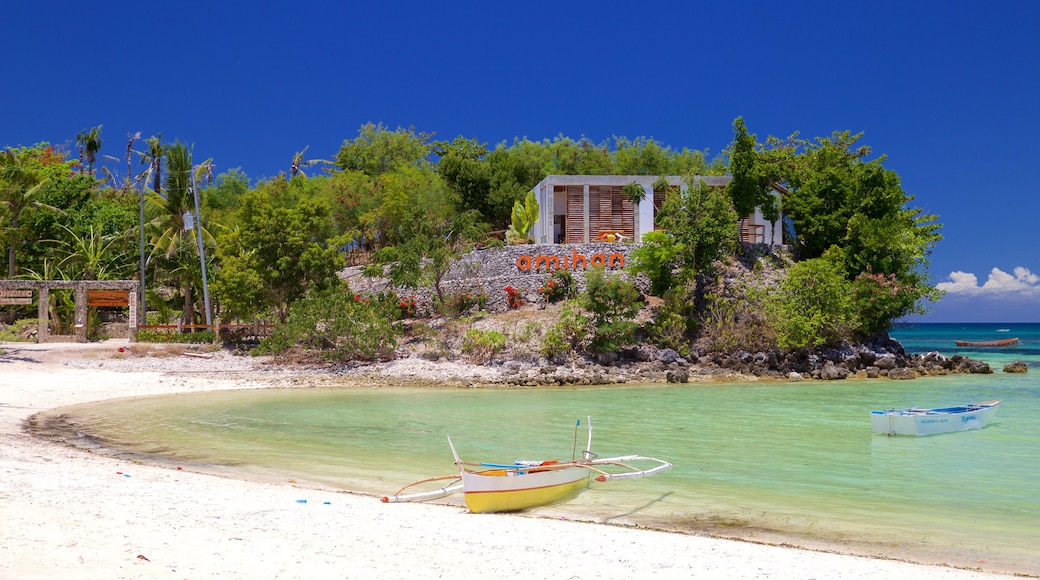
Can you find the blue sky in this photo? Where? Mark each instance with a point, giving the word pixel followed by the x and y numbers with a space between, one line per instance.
pixel 947 90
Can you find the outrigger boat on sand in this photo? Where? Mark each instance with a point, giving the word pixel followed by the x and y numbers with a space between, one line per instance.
pixel 497 487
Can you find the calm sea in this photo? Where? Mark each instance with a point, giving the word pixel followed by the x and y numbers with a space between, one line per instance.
pixel 772 461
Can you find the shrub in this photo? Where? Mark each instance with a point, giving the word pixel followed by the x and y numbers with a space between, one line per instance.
pixel 18 330
pixel 881 298
pixel 739 324
pixel 483 345
pixel 671 329
pixel 174 337
pixel 656 258
pixel 813 306
pixel 514 298
pixel 559 286
pixel 408 307
pixel 464 300
pixel 340 325
pixel 566 334
pixel 613 302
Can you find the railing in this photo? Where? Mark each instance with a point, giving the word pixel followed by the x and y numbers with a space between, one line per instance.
pixel 240 331
pixel 752 233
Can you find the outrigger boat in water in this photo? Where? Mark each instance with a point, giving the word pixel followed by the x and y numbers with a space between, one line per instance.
pixel 917 421
pixel 988 343
pixel 497 487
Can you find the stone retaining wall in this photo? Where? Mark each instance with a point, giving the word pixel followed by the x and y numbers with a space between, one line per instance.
pixel 525 268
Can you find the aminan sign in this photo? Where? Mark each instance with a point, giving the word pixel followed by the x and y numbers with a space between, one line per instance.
pixel 575 261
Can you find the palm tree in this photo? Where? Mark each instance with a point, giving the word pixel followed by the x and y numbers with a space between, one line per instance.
pixel 172 242
pixel 89 141
pixel 130 138
pixel 298 163
pixel 19 184
pixel 153 158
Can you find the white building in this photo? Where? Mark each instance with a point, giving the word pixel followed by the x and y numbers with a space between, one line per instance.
pixel 586 208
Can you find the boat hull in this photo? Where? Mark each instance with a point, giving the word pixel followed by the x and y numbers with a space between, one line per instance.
pixel 922 422
pixel 988 343
pixel 505 490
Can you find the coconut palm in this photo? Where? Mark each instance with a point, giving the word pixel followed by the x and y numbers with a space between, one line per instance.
pixel 153 159
pixel 89 141
pixel 298 163
pixel 171 242
pixel 130 138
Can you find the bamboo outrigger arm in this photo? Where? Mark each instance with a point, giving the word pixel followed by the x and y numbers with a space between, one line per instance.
pixel 634 473
pixel 454 487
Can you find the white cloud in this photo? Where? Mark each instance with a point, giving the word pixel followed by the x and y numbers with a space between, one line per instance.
pixel 1022 282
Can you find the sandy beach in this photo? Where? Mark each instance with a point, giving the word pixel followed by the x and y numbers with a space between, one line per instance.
pixel 65 512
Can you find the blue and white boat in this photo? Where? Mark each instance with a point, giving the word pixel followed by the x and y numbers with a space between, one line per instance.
pixel 918 421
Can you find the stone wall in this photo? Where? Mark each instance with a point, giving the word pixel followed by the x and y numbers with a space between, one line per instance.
pixel 525 268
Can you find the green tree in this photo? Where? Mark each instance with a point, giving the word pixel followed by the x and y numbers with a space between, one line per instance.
pixel 703 225
pixel 24 173
pixel 153 158
pixel 424 256
pixel 283 248
pixel 751 183
pixel 840 199
pixel 377 150
pixel 89 141
pixel 174 245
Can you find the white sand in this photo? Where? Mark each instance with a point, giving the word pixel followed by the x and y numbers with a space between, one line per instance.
pixel 65 513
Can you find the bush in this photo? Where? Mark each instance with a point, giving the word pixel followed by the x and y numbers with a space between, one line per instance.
pixel 514 298
pixel 656 258
pixel 671 329
pixel 613 302
pixel 483 345
pixel 566 335
pixel 17 331
pixel 174 337
pixel 813 306
pixel 463 301
pixel 342 326
pixel 559 286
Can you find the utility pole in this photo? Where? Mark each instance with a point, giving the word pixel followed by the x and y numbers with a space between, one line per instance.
pixel 202 250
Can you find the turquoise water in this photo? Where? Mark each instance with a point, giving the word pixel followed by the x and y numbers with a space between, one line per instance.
pixel 773 461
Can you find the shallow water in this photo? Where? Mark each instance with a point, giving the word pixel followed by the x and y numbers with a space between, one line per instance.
pixel 774 461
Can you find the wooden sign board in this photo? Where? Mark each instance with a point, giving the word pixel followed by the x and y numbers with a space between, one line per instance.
pixel 108 298
pixel 16 296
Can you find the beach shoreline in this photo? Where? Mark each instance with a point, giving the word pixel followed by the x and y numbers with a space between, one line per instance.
pixel 70 512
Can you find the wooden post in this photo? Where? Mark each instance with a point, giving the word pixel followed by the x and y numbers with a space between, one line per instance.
pixel 43 313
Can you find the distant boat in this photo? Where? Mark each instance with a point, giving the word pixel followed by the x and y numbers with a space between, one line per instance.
pixel 1003 330
pixel 917 421
pixel 1003 342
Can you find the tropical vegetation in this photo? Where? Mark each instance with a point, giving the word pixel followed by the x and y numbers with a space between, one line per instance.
pixel 407 206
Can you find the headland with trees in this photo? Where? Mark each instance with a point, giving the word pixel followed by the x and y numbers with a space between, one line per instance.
pixel 403 207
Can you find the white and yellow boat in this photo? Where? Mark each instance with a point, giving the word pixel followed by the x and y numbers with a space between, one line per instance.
pixel 495 487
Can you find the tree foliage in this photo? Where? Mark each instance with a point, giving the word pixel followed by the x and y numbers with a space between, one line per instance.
pixel 701 222
pixel 334 322
pixel 813 305
pixel 283 248
pixel 377 150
